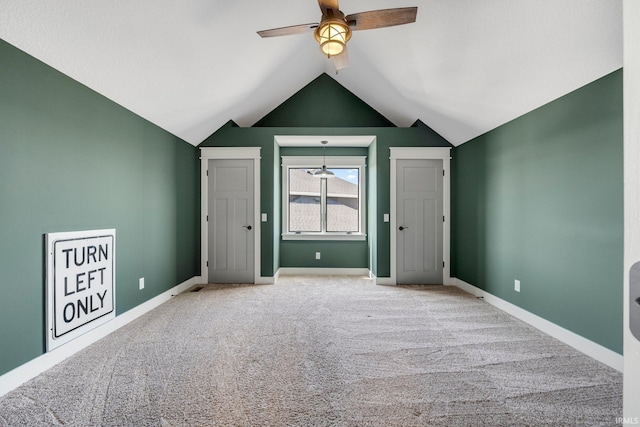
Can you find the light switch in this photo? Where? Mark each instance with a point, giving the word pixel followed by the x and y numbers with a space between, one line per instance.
pixel 386 217
pixel 264 217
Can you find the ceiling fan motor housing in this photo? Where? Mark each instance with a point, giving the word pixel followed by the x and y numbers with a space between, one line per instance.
pixel 333 33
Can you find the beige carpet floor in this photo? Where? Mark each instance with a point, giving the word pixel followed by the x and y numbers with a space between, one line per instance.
pixel 322 351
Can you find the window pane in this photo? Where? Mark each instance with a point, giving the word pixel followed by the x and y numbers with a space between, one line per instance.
pixel 304 201
pixel 342 201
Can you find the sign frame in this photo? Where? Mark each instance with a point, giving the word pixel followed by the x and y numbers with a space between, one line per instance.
pixel 80 283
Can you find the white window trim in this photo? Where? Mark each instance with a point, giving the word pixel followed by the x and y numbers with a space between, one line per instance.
pixel 355 162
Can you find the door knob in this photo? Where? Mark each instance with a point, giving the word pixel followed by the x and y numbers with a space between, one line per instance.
pixel 403 228
pixel 248 227
pixel 634 300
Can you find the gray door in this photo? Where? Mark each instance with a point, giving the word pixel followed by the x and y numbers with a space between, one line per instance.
pixel 230 221
pixel 419 222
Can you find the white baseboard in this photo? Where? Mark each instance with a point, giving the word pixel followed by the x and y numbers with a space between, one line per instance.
pixel 267 280
pixel 388 281
pixel 35 367
pixel 291 271
pixel 262 280
pixel 384 281
pixel 588 347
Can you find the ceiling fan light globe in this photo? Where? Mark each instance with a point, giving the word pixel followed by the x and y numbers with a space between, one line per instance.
pixel 333 36
pixel 332 47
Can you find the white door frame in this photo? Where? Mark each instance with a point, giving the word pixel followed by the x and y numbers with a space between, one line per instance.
pixel 429 153
pixel 238 153
pixel 631 90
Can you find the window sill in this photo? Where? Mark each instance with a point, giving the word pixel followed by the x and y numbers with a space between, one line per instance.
pixel 325 236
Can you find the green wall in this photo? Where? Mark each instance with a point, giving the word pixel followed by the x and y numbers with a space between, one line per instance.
pixel 70 160
pixel 323 103
pixel 540 199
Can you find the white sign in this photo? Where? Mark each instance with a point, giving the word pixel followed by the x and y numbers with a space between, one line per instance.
pixel 80 283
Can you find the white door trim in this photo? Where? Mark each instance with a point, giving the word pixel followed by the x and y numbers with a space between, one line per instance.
pixel 209 153
pixel 631 90
pixel 435 153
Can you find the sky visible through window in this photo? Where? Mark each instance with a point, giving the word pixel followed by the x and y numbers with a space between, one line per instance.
pixel 350 175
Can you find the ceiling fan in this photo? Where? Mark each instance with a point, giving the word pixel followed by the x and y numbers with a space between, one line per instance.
pixel 334 30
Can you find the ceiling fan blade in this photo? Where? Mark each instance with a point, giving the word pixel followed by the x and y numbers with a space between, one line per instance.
pixel 382 18
pixel 287 31
pixel 328 4
pixel 342 60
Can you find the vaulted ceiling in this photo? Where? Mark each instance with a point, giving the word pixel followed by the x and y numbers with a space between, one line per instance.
pixel 189 66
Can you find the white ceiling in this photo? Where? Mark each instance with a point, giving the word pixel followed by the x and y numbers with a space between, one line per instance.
pixel 189 66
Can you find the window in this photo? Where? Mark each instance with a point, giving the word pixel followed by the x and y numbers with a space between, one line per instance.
pixel 323 208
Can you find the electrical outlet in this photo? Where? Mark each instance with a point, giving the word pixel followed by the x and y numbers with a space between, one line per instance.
pixel 141 283
pixel 317 255
pixel 516 286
